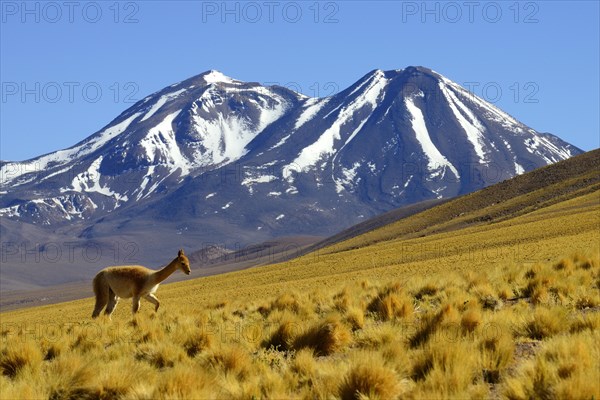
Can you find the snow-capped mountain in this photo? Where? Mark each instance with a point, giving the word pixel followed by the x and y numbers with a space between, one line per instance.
pixel 219 159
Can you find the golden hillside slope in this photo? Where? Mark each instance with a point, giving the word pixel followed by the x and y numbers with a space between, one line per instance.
pixel 402 310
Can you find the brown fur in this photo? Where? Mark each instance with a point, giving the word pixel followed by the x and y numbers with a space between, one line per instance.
pixel 133 281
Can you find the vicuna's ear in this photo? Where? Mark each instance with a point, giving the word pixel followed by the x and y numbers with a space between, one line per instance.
pixel 180 253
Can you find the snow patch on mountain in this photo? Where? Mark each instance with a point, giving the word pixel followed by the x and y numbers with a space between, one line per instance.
pixel 89 181
pixel 281 142
pixel 472 127
pixel 67 207
pixel 224 138
pixel 260 179
pixel 161 146
pixel 490 111
pixel 11 171
pixel 145 180
pixel 519 169
pixel 12 211
pixel 435 159
pixel 536 141
pixel 161 102
pixel 249 182
pixel 348 177
pixel 313 106
pixel 218 77
pixel 325 144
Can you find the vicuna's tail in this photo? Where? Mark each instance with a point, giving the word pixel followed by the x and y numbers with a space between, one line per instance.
pixel 101 291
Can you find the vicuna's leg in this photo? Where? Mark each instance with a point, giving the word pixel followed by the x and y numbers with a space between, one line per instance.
pixel 136 304
pixel 152 299
pixel 112 302
pixel 101 291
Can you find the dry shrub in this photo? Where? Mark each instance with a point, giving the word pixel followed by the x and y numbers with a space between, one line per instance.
pixel 511 273
pixel 586 263
pixel 369 378
pixel 326 382
pixel 120 377
pixel 568 367
pixel 533 271
pixel 505 292
pixel 542 285
pixel 486 296
pixel 585 300
pixel 283 337
pixel 219 305
pixel 447 368
pixel 342 300
pixel 539 295
pixel 391 306
pixel 232 359
pixel 396 356
pixel 18 356
pixel 21 389
pixel 72 378
pixel 151 335
pixel 393 287
pixel 160 356
pixel 355 318
pixel 183 382
pixel 429 289
pixel 564 265
pixel 585 322
pixel 496 353
pixel 470 320
pixel 545 323
pixel 326 337
pixel 475 279
pixel 197 342
pixel 85 342
pixel 286 301
pixel 448 317
pixel 52 349
pixel 264 309
pixel 374 337
pixel 320 300
pixel 304 364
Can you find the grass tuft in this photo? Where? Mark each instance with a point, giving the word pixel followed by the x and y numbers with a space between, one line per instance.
pixel 233 360
pixel 286 301
pixel 429 289
pixel 355 318
pixel 369 378
pixel 196 343
pixel 283 337
pixel 18 356
pixel 545 323
pixel 568 367
pixel 326 337
pixel 391 306
pixel 496 353
pixel 470 320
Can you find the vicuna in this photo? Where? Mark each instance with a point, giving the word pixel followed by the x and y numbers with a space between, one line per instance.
pixel 132 281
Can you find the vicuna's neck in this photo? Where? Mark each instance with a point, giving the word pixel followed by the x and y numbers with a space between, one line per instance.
pixel 164 273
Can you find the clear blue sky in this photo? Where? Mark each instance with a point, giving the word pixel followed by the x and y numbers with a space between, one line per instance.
pixel 543 56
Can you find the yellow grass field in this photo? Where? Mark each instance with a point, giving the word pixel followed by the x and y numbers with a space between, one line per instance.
pixel 508 308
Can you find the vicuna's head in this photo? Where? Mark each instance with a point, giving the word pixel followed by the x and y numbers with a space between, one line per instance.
pixel 184 263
